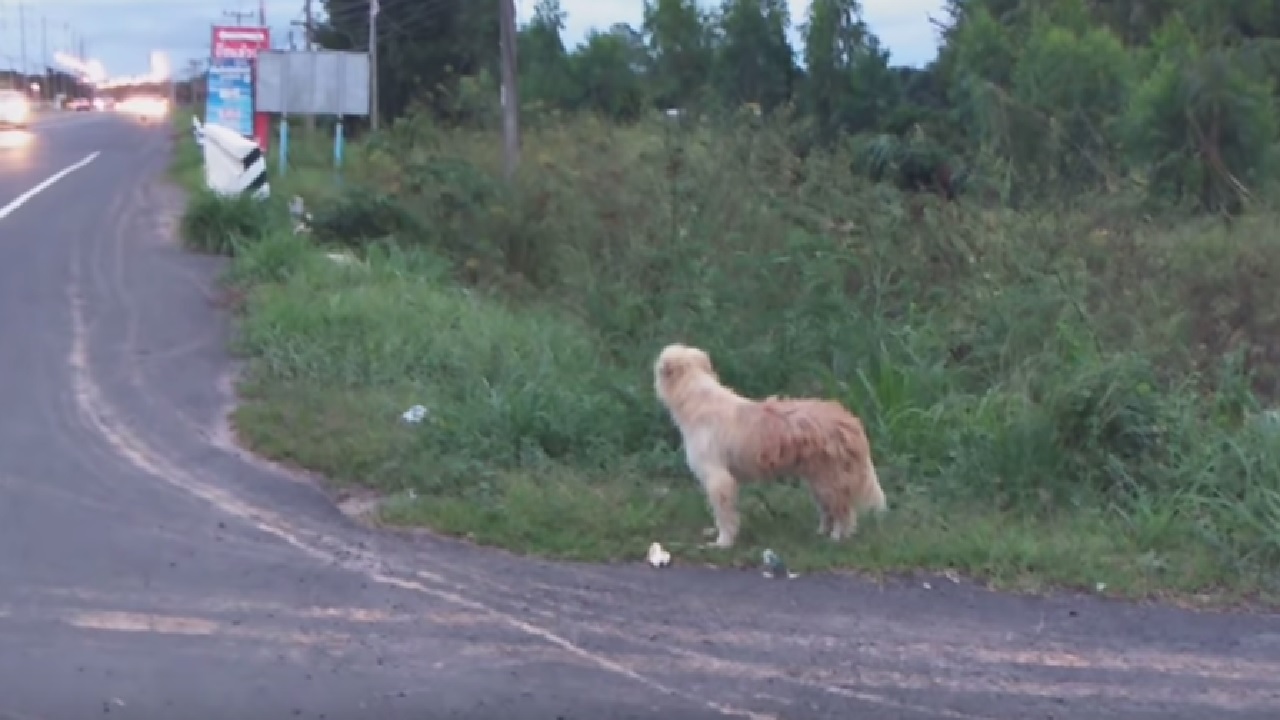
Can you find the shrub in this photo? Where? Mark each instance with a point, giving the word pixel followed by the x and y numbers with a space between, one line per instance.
pixel 1021 374
pixel 219 224
pixel 359 216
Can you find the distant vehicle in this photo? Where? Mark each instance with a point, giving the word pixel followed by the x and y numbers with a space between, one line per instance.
pixel 15 109
pixel 79 104
pixel 144 107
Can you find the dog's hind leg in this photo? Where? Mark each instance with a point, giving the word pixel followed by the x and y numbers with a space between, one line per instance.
pixel 836 499
pixel 722 494
pixel 824 520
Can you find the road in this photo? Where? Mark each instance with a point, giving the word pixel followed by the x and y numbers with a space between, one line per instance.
pixel 150 569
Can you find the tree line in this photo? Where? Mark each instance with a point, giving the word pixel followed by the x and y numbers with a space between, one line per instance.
pixel 1031 97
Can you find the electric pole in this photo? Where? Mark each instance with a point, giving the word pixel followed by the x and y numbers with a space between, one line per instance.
pixel 45 76
pixel 239 15
pixel 308 25
pixel 308 29
pixel 262 13
pixel 22 41
pixel 510 91
pixel 373 63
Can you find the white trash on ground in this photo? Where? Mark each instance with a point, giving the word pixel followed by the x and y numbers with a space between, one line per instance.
pixel 342 258
pixel 774 567
pixel 658 557
pixel 299 215
pixel 415 415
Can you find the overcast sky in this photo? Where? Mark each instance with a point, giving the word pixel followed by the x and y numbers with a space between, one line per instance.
pixel 122 33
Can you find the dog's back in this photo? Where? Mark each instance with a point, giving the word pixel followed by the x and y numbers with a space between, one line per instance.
pixel 808 431
pixel 816 436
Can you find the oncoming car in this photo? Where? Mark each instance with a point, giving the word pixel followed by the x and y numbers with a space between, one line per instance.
pixel 15 109
pixel 144 107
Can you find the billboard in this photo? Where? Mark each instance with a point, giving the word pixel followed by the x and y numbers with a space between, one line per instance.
pixel 240 42
pixel 317 82
pixel 230 95
pixel 231 80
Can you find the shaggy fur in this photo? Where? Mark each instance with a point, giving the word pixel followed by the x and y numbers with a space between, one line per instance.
pixel 730 439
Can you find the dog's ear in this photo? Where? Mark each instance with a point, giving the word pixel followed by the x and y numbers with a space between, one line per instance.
pixel 703 362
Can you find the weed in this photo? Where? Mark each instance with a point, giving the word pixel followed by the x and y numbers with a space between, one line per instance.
pixel 1035 384
pixel 219 224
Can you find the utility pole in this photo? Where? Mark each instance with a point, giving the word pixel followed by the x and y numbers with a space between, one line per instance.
pixel 373 63
pixel 310 26
pixel 239 15
pixel 309 29
pixel 22 40
pixel 510 90
pixel 262 13
pixel 46 77
pixel 195 69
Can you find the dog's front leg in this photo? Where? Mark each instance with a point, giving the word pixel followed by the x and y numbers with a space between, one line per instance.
pixel 722 494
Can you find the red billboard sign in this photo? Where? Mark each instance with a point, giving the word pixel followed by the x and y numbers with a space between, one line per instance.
pixel 242 45
pixel 240 42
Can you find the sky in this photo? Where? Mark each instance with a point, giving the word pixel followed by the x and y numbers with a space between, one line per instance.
pixel 122 33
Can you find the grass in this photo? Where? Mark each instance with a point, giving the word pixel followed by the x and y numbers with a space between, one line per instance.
pixel 1065 397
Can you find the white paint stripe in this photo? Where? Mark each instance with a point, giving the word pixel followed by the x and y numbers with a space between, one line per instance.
pixel 25 197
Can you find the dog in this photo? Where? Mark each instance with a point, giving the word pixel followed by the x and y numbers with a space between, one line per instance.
pixel 730 439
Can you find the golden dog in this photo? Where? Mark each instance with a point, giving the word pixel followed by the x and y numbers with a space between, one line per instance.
pixel 729 438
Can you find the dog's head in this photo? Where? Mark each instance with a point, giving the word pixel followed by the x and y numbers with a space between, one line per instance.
pixel 676 364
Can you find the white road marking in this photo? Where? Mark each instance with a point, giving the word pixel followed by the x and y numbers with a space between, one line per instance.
pixel 25 197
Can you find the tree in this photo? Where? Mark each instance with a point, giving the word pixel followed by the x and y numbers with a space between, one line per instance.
pixel 679 41
pixel 607 74
pixel 1071 84
pixel 754 60
pixel 424 49
pixel 849 86
pixel 544 64
pixel 1203 126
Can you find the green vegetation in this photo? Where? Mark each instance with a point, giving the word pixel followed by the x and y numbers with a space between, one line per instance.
pixel 1063 372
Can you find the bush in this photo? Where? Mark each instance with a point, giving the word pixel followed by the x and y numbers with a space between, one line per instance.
pixel 219 224
pixel 359 216
pixel 1034 383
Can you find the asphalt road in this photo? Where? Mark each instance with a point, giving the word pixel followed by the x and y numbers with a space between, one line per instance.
pixel 148 569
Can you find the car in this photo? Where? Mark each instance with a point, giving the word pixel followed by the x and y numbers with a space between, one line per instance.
pixel 79 104
pixel 144 107
pixel 15 109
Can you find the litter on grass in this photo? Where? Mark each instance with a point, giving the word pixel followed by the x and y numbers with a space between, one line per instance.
pixel 774 567
pixel 658 557
pixel 414 415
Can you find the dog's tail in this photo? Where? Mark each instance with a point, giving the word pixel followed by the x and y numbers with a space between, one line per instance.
pixel 856 451
pixel 873 497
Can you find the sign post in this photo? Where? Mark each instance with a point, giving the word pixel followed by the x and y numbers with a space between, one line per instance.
pixel 232 77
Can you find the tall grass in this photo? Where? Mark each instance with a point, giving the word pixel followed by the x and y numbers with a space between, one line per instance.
pixel 1061 395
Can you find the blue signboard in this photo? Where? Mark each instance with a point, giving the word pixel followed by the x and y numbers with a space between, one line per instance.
pixel 230 98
